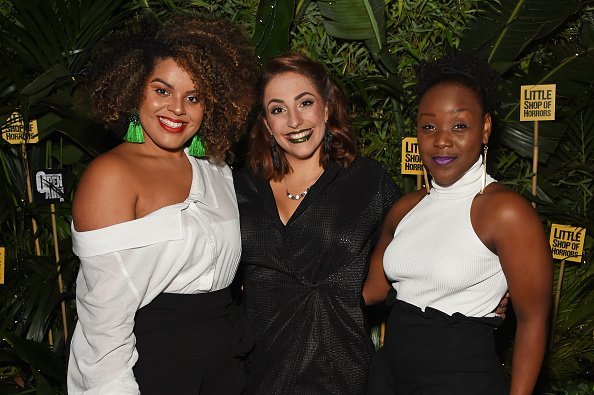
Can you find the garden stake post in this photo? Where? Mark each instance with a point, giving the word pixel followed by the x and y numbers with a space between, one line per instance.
pixel 535 161
pixel 60 283
pixel 537 103
pixel 556 305
pixel 567 244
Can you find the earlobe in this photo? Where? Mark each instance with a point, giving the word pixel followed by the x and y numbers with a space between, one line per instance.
pixel 487 125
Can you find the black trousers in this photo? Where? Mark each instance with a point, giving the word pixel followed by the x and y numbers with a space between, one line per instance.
pixel 429 353
pixel 191 344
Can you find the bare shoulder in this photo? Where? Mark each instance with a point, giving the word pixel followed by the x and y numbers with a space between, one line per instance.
pixel 505 207
pixel 106 193
pixel 503 219
pixel 402 207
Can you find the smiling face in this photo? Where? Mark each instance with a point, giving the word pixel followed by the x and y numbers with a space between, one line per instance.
pixel 295 114
pixel 451 129
pixel 170 112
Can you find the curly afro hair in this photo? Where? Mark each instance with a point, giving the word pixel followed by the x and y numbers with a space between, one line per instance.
pixel 214 52
pixel 464 69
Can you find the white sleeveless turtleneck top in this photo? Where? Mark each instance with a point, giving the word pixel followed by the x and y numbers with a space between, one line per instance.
pixel 437 260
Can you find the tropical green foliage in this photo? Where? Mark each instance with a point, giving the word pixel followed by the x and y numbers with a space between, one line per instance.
pixel 372 48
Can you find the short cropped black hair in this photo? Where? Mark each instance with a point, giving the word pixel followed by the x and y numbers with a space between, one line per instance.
pixel 459 67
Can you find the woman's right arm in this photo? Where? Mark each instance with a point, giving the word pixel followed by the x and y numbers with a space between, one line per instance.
pixel 102 350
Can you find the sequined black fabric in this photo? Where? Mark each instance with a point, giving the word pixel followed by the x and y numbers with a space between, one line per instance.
pixel 303 281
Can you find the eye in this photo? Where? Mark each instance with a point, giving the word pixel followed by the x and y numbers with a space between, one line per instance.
pixel 162 91
pixel 276 110
pixel 428 127
pixel 307 103
pixel 193 99
pixel 460 125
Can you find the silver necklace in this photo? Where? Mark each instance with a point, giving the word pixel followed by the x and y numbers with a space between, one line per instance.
pixel 301 195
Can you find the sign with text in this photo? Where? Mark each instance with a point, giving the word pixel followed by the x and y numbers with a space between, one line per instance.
pixel 14 131
pixel 49 186
pixel 537 102
pixel 411 160
pixel 2 265
pixel 567 242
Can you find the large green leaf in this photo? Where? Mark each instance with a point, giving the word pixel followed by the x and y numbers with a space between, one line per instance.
pixel 508 27
pixel 37 355
pixel 273 23
pixel 361 20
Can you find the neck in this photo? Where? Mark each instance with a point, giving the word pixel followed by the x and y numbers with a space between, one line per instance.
pixel 303 170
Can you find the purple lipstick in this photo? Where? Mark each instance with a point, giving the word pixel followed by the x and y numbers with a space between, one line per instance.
pixel 443 160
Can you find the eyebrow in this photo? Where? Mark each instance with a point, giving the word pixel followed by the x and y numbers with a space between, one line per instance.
pixel 299 96
pixel 168 85
pixel 454 111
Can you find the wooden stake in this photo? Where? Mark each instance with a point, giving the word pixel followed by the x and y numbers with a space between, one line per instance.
pixel 57 255
pixel 556 305
pixel 535 161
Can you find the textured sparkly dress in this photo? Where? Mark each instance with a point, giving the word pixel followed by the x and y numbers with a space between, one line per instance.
pixel 303 280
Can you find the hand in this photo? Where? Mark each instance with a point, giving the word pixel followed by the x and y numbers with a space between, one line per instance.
pixel 502 306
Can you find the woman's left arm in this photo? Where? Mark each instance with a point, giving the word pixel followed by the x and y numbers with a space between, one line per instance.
pixel 522 247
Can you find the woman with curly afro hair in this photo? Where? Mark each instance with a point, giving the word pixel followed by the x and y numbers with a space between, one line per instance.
pixel 155 220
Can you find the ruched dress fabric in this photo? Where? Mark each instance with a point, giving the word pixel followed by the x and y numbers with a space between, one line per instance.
pixel 176 256
pixel 303 280
pixel 446 284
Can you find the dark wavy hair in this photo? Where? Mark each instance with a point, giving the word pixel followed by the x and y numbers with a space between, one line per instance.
pixel 342 147
pixel 214 52
pixel 465 69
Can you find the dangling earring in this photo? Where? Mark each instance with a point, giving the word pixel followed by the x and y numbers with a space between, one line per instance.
pixel 134 134
pixel 328 136
pixel 426 180
pixel 484 178
pixel 275 159
pixel 196 148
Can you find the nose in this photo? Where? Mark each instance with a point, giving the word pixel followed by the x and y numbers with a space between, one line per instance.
pixel 443 139
pixel 294 120
pixel 177 105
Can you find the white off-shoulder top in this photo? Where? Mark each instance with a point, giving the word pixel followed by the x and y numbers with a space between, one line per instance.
pixel 186 248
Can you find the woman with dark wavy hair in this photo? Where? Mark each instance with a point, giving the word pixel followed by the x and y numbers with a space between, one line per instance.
pixel 310 211
pixel 155 220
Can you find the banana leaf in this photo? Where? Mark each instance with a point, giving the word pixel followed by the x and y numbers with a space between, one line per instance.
pixel 508 27
pixel 37 355
pixel 271 31
pixel 361 20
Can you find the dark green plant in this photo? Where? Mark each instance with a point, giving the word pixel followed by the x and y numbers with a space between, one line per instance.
pixel 372 48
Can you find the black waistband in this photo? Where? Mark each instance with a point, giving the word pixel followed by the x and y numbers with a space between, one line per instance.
pixel 401 307
pixel 191 302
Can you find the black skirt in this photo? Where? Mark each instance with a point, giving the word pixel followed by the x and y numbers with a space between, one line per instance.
pixel 191 344
pixel 427 353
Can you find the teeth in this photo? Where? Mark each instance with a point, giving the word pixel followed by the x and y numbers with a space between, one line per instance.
pixel 299 135
pixel 170 123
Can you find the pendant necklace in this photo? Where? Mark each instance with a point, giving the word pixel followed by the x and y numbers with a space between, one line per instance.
pixel 301 195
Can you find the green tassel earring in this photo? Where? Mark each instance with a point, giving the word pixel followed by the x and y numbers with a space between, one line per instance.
pixel 134 133
pixel 196 148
